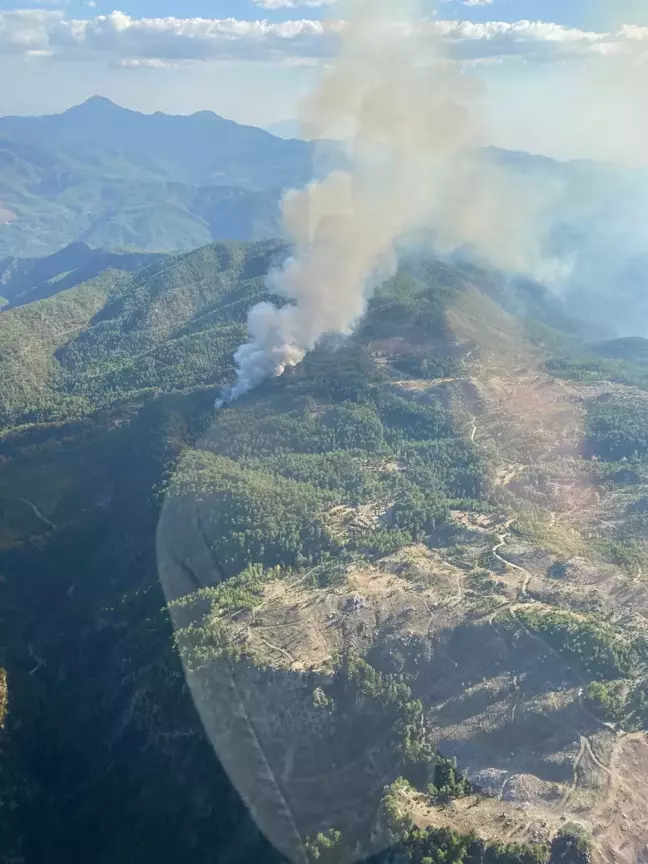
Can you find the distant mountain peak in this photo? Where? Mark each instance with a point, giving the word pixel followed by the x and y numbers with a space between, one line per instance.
pixel 98 100
pixel 95 104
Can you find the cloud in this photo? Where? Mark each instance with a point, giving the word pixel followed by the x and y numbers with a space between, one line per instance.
pixel 121 37
pixel 23 31
pixel 528 40
pixel 634 32
pixel 124 39
pixel 149 63
pixel 293 4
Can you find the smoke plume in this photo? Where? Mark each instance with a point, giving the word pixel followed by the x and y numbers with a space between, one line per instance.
pixel 410 118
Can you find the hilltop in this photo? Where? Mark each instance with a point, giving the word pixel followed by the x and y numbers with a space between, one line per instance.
pixel 455 534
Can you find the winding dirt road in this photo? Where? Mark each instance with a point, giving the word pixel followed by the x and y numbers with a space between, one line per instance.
pixel 525 573
pixel 32 507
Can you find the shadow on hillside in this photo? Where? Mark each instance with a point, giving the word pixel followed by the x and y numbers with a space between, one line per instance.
pixel 112 762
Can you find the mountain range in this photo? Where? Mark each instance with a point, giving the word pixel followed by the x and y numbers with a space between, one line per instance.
pixel 115 178
pixel 119 180
pixel 388 604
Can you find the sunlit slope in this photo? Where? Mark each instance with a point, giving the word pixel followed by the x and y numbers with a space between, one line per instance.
pixel 513 608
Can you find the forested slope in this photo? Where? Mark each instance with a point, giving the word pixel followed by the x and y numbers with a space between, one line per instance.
pixel 371 555
pixel 168 327
pixel 104 385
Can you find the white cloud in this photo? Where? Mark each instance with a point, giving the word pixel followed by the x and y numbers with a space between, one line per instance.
pixel 635 32
pixel 293 4
pixel 149 63
pixel 133 42
pixel 471 3
pixel 122 36
pixel 529 40
pixel 27 30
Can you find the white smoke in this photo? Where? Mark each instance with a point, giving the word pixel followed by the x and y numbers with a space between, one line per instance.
pixel 410 119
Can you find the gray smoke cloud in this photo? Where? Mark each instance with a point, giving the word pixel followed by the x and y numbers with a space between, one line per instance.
pixel 411 120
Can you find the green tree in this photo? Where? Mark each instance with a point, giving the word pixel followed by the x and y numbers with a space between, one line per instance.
pixel 571 846
pixel 327 847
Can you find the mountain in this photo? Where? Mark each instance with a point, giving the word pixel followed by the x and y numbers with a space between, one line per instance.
pixel 25 280
pixel 115 178
pixel 589 220
pixel 120 180
pixel 393 598
pixel 201 149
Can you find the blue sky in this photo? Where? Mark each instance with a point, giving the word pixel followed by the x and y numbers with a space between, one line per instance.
pixel 573 13
pixel 535 60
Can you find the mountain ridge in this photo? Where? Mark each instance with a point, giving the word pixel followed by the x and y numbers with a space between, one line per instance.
pixel 26 280
pixel 119 179
pixel 113 177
